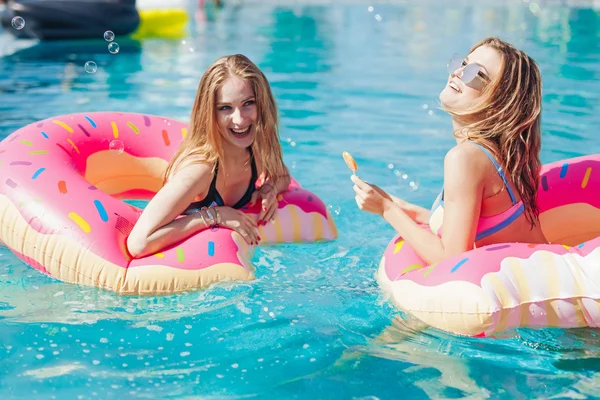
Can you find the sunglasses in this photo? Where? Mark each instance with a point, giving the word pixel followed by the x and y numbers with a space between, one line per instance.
pixel 471 73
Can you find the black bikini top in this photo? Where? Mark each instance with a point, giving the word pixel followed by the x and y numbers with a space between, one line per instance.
pixel 213 198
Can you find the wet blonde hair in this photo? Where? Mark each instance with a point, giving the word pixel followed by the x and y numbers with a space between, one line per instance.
pixel 508 114
pixel 204 142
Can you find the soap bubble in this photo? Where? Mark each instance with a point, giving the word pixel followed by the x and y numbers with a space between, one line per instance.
pixel 334 209
pixel 109 36
pixel 18 23
pixel 90 67
pixel 117 146
pixel 407 181
pixel 113 47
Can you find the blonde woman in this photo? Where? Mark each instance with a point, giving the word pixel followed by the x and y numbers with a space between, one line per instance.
pixel 232 136
pixel 491 176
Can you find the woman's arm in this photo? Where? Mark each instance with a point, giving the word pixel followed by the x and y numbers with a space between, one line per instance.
pixel 267 193
pixel 417 213
pixel 158 227
pixel 279 183
pixel 282 183
pixel 463 193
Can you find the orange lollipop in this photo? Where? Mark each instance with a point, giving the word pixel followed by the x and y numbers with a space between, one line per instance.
pixel 350 162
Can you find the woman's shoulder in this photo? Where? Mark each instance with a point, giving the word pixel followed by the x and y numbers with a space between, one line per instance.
pixel 466 155
pixel 192 167
pixel 466 165
pixel 195 158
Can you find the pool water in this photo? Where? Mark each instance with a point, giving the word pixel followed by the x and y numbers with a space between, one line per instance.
pixel 314 323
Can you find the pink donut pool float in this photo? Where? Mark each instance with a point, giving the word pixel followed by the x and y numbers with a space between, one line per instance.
pixel 62 185
pixel 504 286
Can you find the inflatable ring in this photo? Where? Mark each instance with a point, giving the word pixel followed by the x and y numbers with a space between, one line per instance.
pixel 504 286
pixel 161 23
pixel 67 19
pixel 62 181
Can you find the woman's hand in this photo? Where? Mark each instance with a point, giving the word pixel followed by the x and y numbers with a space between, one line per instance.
pixel 370 198
pixel 269 203
pixel 242 223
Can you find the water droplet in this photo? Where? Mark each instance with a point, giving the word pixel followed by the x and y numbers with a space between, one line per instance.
pixel 370 9
pixel 109 36
pixel 430 112
pixel 334 208
pixel 90 67
pixel 117 145
pixel 536 311
pixel 390 166
pixel 113 47
pixel 405 180
pixel 378 17
pixel 18 23
pixel 425 106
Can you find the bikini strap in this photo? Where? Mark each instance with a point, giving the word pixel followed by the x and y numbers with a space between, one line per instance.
pixel 499 170
pixel 212 190
pixel 213 184
pixel 254 169
pixel 248 194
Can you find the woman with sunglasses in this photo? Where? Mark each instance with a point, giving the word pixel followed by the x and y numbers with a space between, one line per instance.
pixel 491 176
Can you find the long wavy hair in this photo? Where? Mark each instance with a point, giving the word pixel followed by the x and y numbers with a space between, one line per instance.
pixel 204 142
pixel 508 115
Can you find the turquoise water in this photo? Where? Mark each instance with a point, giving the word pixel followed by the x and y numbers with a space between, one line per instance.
pixel 314 324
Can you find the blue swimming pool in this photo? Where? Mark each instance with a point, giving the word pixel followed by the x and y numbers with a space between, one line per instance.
pixel 314 324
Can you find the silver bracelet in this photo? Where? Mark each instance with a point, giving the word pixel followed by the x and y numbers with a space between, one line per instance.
pixel 210 216
pixel 199 212
pixel 217 215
